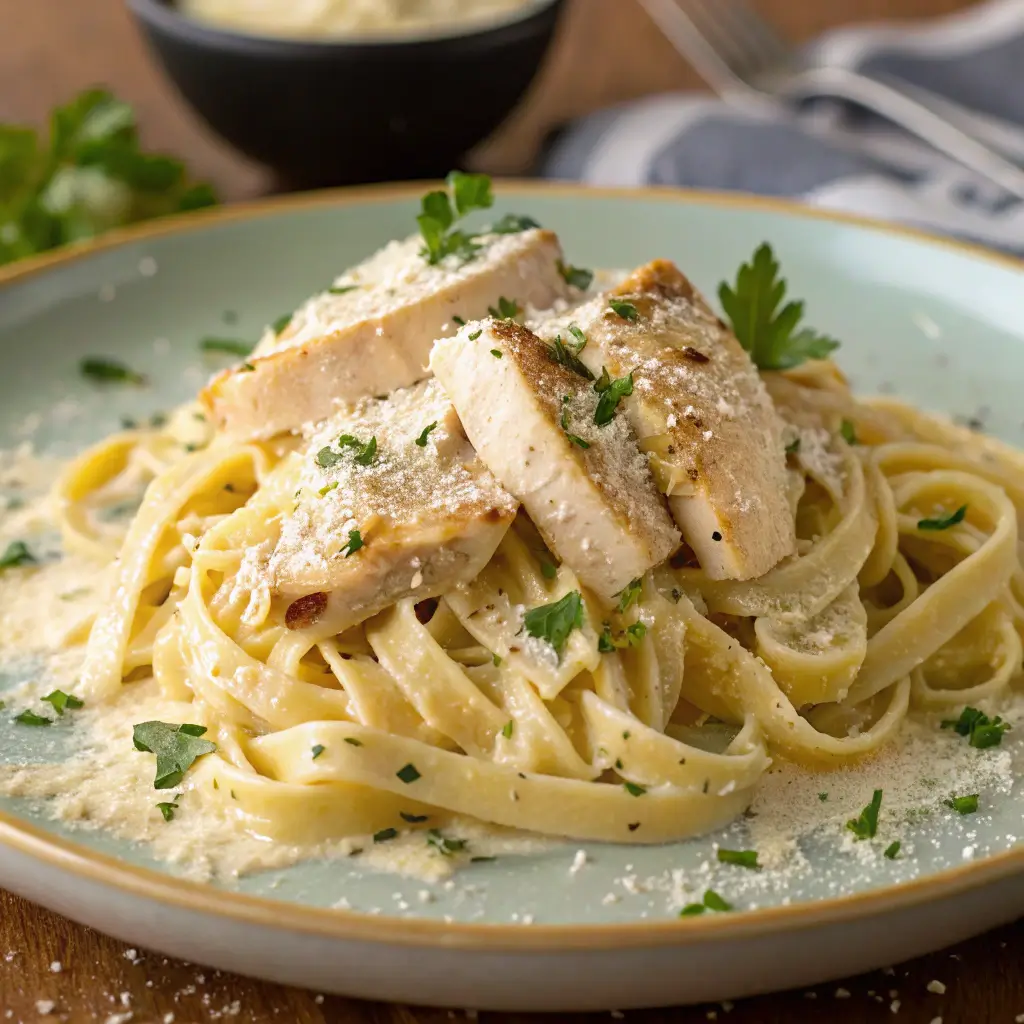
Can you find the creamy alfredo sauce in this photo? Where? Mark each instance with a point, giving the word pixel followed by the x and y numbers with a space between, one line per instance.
pixel 326 19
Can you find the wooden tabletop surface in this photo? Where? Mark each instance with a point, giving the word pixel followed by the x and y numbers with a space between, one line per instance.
pixel 49 49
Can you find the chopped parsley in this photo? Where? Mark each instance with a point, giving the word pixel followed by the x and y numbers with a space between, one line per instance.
pixel 440 210
pixel 176 748
pixel 15 555
pixel 577 277
pixel 943 522
pixel 741 858
pixel 62 701
pixel 445 846
pixel 458 320
pixel 508 728
pixel 408 774
pixel 573 438
pixel 963 804
pixel 633 789
pixel 630 593
pixel 566 353
pixel 866 824
pixel 352 741
pixel 364 452
pixel 108 371
pixel 554 622
pixel 413 819
pixel 768 333
pixel 626 310
pixel 612 392
pixel 355 542
pixel 31 718
pixel 512 224
pixel 281 323
pixel 384 835
pixel 247 368
pixel 507 309
pixel 496 660
pixel 632 637
pixel 167 809
pixel 823 797
pixel 848 431
pixel 229 346
pixel 793 447
pixel 341 289
pixel 892 850
pixel 548 569
pixel 427 431
pixel 476 334
pixel 496 352
pixel 712 901
pixel 318 749
pixel 982 731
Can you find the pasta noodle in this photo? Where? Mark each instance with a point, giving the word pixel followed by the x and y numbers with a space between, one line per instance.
pixel 428 710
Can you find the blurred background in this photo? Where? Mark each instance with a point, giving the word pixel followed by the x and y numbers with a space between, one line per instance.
pixel 910 110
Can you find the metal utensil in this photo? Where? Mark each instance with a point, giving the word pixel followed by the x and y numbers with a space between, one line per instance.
pixel 747 62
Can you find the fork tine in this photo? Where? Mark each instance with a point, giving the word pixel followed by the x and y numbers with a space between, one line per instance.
pixel 733 29
pixel 680 29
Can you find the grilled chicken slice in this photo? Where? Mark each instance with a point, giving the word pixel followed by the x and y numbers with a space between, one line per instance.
pixel 586 487
pixel 701 413
pixel 378 515
pixel 372 331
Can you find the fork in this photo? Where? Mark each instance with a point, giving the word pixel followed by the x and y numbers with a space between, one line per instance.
pixel 748 63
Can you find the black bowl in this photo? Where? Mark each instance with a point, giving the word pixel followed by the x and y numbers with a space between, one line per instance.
pixel 332 112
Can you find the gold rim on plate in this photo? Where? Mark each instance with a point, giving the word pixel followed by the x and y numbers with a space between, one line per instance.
pixel 203 898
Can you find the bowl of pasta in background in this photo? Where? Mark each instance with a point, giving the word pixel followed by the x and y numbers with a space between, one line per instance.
pixel 343 110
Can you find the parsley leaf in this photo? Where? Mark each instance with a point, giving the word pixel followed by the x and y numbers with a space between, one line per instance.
pixel 507 309
pixel 281 323
pixel 422 439
pixel 318 749
pixel 17 554
pixel 633 789
pixel 630 593
pixel 167 809
pixel 366 456
pixel 384 835
pixel 624 309
pixel 508 728
pixel 866 824
pixel 511 224
pixel 982 731
pixel 365 453
pixel 90 175
pixel 634 634
pixel 612 392
pixel 108 371
pixel 355 542
pixel 711 901
pixel 229 346
pixel 566 353
pixel 554 622
pixel 443 844
pixel 573 438
pixel 31 718
pixel 62 701
pixel 943 522
pixel 577 277
pixel 439 211
pixel 176 748
pixel 741 858
pixel 768 333
pixel 408 774
pixel 963 804
pixel 848 431
pixel 892 850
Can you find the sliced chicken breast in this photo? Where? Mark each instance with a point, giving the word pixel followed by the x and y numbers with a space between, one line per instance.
pixel 701 413
pixel 372 331
pixel 390 501
pixel 586 487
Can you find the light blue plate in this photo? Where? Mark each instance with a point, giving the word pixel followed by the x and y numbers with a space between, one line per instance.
pixel 940 325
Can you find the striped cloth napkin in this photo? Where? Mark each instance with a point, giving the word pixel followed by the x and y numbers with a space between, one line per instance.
pixel 831 155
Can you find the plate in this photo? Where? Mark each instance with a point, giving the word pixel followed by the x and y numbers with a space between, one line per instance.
pixel 941 324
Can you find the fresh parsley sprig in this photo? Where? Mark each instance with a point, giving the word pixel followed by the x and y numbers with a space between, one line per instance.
pixel 440 210
pixel 567 353
pixel 981 731
pixel 612 392
pixel 176 747
pixel 89 176
pixel 768 333
pixel 865 825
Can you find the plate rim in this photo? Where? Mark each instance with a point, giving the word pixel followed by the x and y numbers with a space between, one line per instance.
pixel 199 897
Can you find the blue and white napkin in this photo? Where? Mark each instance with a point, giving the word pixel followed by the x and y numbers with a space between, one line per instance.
pixel 831 155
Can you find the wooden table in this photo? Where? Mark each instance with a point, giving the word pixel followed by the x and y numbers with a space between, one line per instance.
pixel 607 52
